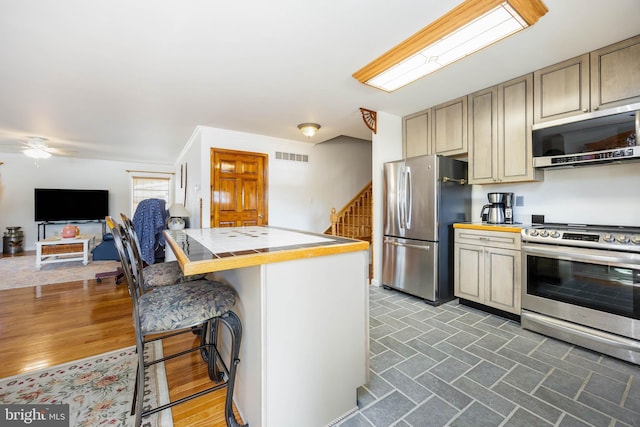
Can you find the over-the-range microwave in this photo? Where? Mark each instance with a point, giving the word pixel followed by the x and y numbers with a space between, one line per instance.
pixel 593 138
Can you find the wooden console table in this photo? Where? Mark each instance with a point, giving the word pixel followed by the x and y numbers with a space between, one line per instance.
pixel 58 249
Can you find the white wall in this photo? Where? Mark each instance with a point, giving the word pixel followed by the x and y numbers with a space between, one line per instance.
pixel 604 194
pixel 387 147
pixel 301 194
pixel 19 176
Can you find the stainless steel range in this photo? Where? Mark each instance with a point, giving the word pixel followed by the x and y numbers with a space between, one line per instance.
pixel 581 284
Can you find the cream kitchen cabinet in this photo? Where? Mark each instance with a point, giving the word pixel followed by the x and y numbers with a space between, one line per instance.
pixel 500 120
pixel 449 127
pixel 417 134
pixel 487 268
pixel 615 74
pixel 605 78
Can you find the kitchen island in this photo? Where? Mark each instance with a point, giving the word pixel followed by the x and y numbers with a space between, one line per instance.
pixel 303 302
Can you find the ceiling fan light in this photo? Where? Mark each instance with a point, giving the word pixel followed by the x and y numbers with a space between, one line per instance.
pixel 36 153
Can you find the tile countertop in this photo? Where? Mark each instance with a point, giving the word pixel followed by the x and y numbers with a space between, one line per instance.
pixel 214 249
pixel 510 228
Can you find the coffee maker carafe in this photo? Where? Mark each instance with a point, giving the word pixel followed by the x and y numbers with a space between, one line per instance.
pixel 494 213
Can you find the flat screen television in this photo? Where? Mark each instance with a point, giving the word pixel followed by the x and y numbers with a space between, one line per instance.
pixel 70 205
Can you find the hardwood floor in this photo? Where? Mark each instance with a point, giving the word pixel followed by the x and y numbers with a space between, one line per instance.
pixel 59 323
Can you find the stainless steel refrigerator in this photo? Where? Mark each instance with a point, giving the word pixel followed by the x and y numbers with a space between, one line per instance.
pixel 424 196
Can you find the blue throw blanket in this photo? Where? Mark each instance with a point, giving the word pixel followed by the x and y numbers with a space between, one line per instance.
pixel 149 220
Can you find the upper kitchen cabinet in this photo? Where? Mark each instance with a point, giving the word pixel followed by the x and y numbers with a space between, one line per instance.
pixel 449 124
pixel 483 136
pixel 500 120
pixel 562 90
pixel 417 134
pixel 608 77
pixel 515 119
pixel 615 74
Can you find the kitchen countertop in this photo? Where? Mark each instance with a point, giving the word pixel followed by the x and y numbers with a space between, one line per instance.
pixel 510 228
pixel 206 250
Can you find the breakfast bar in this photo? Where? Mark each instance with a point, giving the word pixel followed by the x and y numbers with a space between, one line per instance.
pixel 303 302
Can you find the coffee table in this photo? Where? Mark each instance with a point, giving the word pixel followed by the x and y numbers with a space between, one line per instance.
pixel 59 249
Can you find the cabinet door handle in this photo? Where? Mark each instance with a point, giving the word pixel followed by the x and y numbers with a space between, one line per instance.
pixel 459 181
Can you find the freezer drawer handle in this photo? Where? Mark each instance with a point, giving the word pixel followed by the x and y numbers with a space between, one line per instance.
pixel 406 245
pixel 459 181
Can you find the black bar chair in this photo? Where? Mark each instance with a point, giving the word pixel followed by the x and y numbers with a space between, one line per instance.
pixel 157 274
pixel 171 310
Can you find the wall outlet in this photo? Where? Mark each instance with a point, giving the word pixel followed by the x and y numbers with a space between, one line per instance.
pixel 519 200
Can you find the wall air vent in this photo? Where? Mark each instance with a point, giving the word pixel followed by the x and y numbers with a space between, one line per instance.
pixel 292 156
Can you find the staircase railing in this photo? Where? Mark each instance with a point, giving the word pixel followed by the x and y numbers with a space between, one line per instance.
pixel 355 219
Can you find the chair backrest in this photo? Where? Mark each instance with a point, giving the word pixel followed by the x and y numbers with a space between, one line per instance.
pixel 131 232
pixel 132 271
pixel 150 219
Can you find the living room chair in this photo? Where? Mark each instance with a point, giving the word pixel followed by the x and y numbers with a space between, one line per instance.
pixel 171 310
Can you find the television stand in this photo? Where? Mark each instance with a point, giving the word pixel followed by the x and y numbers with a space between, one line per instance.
pixel 58 249
pixel 45 223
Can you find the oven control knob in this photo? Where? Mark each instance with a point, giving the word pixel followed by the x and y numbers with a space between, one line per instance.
pixel 635 240
pixel 555 234
pixel 622 239
pixel 544 233
pixel 608 238
pixel 533 233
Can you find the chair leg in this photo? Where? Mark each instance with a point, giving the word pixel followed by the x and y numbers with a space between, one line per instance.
pixel 210 334
pixel 138 393
pixel 232 321
pixel 211 355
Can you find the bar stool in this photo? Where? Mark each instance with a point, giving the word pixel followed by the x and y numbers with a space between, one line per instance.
pixel 170 310
pixel 158 274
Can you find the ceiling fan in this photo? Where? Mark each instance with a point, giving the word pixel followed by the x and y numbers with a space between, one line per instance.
pixel 37 148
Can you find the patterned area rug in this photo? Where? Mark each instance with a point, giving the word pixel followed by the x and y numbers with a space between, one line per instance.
pixel 98 389
pixel 20 271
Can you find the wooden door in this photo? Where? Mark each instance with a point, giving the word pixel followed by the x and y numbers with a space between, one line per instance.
pixel 238 188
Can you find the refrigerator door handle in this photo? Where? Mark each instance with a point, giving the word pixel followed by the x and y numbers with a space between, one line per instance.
pixel 407 245
pixel 408 195
pixel 400 199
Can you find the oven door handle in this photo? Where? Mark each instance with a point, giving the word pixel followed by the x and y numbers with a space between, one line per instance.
pixel 614 259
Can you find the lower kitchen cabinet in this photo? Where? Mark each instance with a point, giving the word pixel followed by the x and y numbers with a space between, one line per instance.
pixel 487 268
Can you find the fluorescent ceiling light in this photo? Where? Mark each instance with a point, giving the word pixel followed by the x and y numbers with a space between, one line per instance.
pixel 469 27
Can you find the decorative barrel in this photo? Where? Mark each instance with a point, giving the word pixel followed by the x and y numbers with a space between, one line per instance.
pixel 13 241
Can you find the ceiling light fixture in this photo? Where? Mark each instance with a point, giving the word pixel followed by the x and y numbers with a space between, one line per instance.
pixel 465 29
pixel 36 153
pixel 308 129
pixel 37 148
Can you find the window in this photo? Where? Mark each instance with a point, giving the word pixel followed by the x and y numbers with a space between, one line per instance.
pixel 149 187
